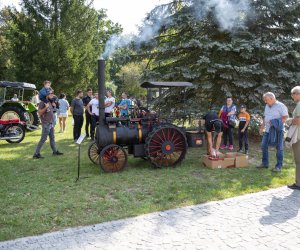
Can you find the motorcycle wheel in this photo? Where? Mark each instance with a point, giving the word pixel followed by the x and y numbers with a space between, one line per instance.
pixel 19 129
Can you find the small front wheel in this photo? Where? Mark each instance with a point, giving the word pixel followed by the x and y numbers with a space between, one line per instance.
pixel 113 158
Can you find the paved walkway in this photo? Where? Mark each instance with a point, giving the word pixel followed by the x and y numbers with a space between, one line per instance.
pixel 265 220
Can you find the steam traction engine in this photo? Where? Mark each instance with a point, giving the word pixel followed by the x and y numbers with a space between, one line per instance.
pixel 163 144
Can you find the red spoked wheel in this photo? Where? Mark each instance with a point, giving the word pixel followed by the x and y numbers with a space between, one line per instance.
pixel 113 158
pixel 166 146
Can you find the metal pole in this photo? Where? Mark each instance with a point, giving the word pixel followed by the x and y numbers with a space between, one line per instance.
pixel 78 163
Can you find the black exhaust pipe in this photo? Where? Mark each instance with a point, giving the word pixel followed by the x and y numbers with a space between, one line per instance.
pixel 101 90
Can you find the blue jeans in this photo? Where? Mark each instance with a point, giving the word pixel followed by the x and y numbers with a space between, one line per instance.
pixel 47 129
pixel 265 151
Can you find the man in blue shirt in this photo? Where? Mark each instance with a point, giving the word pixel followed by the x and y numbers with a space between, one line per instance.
pixel 124 105
pixel 273 110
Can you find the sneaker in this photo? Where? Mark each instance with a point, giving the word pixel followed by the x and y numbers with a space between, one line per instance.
pixel 240 150
pixel 57 153
pixel 246 152
pixel 277 170
pixel 293 186
pixel 230 147
pixel 262 166
pixel 223 146
pixel 37 156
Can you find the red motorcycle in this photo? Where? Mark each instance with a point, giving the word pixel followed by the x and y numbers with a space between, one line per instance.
pixel 12 130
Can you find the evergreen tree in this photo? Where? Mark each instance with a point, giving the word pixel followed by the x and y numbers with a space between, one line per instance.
pixel 59 40
pixel 245 57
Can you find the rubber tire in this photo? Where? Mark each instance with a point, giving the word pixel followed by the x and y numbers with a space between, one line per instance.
pixel 18 110
pixel 36 120
pixel 23 133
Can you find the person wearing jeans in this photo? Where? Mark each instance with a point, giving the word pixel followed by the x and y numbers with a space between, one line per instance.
pixel 47 127
pixel 77 112
pixel 273 110
pixel 265 151
pixel 295 92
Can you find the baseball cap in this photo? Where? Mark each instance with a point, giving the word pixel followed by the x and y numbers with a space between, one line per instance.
pixel 243 106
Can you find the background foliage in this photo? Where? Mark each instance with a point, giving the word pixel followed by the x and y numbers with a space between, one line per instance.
pixel 243 51
pixel 243 60
pixel 57 40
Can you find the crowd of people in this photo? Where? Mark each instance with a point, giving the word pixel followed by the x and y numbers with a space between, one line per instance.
pixel 221 124
pixel 272 130
pixel 50 107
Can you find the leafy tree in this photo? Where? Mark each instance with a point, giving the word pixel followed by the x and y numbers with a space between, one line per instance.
pixel 6 53
pixel 59 40
pixel 256 54
pixel 131 74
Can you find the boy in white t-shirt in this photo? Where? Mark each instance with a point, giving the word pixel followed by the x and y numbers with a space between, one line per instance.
pixel 109 103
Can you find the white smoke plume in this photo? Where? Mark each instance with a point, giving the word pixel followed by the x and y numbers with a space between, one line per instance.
pixel 115 42
pixel 230 15
pixel 146 32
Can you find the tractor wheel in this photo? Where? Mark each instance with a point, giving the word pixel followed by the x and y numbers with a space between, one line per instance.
pixel 16 129
pixel 166 146
pixel 94 153
pixel 113 158
pixel 34 119
pixel 13 112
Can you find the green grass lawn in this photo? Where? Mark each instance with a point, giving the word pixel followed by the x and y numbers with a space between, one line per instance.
pixel 39 196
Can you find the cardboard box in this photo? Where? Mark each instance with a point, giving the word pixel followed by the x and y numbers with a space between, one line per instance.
pixel 241 160
pixel 228 160
pixel 222 162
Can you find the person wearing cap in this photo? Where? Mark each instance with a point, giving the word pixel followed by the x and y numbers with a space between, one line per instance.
pixel 213 124
pixel 45 111
pixel 244 120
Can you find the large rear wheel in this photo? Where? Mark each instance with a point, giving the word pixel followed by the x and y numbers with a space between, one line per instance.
pixel 34 119
pixel 166 146
pixel 13 112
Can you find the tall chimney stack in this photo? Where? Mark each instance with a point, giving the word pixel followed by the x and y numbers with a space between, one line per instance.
pixel 101 90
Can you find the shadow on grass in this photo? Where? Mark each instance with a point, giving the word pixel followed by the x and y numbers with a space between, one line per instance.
pixel 277 211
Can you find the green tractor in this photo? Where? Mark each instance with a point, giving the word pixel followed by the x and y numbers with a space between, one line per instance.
pixel 15 103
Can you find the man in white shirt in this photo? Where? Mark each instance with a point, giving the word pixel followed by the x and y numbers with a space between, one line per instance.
pixel 93 109
pixel 109 103
pixel 274 110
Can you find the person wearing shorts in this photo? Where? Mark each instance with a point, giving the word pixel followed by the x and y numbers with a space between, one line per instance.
pixel 63 112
